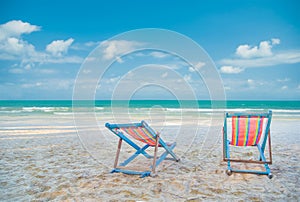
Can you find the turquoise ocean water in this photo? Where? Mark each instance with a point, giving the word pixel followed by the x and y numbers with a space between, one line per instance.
pixel 65 106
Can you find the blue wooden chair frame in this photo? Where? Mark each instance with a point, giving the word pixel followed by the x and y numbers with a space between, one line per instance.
pixel 140 150
pixel 260 146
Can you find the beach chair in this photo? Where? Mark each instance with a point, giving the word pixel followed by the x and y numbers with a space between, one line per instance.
pixel 248 130
pixel 149 138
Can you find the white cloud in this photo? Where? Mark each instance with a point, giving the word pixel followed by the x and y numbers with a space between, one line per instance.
pixel 275 41
pixel 6 56
pixel 92 43
pixel 28 66
pixel 113 80
pixel 16 28
pixel 59 47
pixel 188 78
pixel 49 84
pixel 31 85
pixel 38 83
pixel 284 87
pixel 197 66
pixel 230 70
pixel 45 71
pixel 255 83
pixel 64 84
pixel 87 46
pixel 164 75
pixel 263 50
pixel 250 82
pixel 192 69
pixel 115 48
pixel 227 88
pixel 175 65
pixel 17 47
pixel 60 60
pixel 157 54
pixel 13 47
pixel 119 59
pixel 286 57
pixel 283 80
pixel 16 70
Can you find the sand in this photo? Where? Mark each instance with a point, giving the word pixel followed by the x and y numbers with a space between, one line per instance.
pixel 43 159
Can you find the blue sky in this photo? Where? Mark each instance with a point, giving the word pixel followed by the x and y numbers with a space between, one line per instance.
pixel 255 46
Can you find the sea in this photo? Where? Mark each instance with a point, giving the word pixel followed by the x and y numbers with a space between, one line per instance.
pixel 27 107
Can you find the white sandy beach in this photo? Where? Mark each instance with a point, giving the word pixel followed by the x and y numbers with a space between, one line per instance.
pixel 43 159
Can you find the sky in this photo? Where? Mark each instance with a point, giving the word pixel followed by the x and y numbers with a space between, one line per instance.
pixel 254 47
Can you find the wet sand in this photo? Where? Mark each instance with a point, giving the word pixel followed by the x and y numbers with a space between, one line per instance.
pixel 42 159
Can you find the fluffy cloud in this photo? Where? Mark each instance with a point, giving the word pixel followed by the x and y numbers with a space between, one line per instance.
pixel 192 69
pixel 261 56
pixel 92 43
pixel 113 79
pixel 196 66
pixel 283 80
pixel 59 47
pixel 286 57
pixel 10 42
pixel 16 28
pixel 113 49
pixel 13 47
pixel 199 65
pixel 263 50
pixel 157 54
pixel 230 70
pixel 187 78
pixel 250 82
pixel 16 47
pixel 164 75
pixel 275 41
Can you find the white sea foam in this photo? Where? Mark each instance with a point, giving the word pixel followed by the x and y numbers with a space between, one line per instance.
pixel 44 109
pixel 286 111
pixel 14 110
pixel 69 110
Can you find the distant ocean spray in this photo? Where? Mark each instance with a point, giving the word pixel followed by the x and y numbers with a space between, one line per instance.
pixel 65 106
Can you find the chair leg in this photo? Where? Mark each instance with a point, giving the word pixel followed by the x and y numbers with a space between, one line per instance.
pixel 262 156
pixel 270 147
pixel 165 154
pixel 118 153
pixel 155 154
pixel 224 144
pixel 229 170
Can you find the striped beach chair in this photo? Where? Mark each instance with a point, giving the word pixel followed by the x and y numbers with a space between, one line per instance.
pixel 248 130
pixel 145 134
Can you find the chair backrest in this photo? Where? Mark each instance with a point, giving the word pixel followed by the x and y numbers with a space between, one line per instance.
pixel 139 131
pixel 141 134
pixel 248 128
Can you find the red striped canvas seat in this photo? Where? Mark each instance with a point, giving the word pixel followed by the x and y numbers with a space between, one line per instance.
pixel 246 131
pixel 141 134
